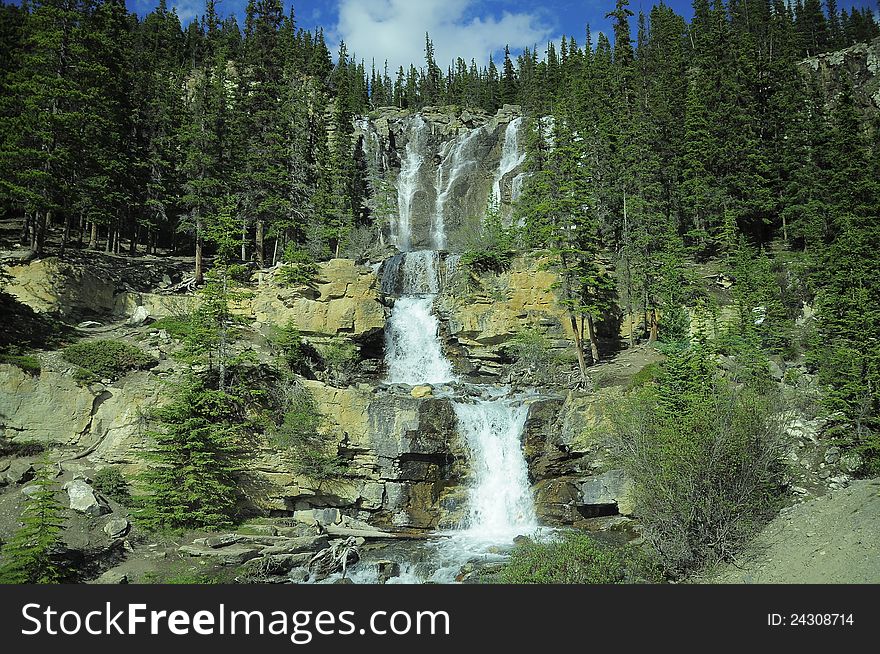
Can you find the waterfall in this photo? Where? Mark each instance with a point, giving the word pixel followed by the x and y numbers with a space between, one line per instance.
pixel 457 159
pixel 407 183
pixel 413 354
pixel 500 499
pixel 511 158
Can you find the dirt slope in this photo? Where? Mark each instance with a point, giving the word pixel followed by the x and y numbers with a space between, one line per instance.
pixel 832 539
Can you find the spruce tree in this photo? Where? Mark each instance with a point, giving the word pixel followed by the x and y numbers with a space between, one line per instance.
pixel 30 555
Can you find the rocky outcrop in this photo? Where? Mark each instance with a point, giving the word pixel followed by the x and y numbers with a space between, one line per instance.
pixel 53 286
pixel 484 313
pixel 574 480
pixel 402 458
pixel 343 301
pixel 857 67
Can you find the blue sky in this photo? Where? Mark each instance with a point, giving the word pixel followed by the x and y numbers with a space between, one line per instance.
pixel 395 29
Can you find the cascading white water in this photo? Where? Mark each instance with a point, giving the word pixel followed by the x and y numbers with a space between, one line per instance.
pixel 407 183
pixel 457 159
pixel 413 354
pixel 500 500
pixel 511 157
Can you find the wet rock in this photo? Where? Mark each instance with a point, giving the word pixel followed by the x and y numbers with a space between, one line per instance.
pixel 386 570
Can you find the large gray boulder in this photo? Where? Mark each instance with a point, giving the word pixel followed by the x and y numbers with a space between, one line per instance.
pixel 83 498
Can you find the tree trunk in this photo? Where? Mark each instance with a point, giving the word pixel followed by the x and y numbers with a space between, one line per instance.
pixel 80 230
pixel 244 239
pixel 594 343
pixel 258 238
pixel 579 344
pixel 93 236
pixel 132 249
pixel 25 236
pixel 199 272
pixel 40 232
pixel 654 325
pixel 65 235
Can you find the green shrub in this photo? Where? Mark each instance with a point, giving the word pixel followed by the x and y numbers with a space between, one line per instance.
pixel 30 364
pixel 293 350
pixel 704 455
pixel 299 433
pixel 110 483
pixel 645 376
pixel 107 359
pixel 575 558
pixel 178 327
pixel 340 358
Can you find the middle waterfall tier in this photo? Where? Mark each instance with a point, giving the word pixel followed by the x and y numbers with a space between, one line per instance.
pixel 413 353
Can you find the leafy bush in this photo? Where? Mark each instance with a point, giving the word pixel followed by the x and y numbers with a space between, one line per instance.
pixel 110 483
pixel 299 433
pixel 533 357
pixel 575 558
pixel 293 349
pixel 30 364
pixel 300 268
pixel 340 358
pixel 178 327
pixel 704 456
pixel 107 359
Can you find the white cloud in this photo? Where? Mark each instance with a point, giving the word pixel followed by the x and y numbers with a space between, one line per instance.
pixel 188 9
pixel 395 30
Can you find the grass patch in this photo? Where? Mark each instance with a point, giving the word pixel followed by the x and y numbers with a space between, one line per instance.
pixel 576 558
pixel 30 364
pixel 179 327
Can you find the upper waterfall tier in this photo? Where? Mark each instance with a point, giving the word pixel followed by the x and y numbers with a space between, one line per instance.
pixel 446 165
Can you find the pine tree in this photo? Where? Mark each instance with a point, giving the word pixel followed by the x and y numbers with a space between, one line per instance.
pixel 30 555
pixel 192 479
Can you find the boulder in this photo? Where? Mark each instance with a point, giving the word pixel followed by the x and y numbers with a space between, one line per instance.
pixel 112 577
pixel 420 392
pixel 83 498
pixel 832 455
pixel 117 527
pixel 20 472
pixel 139 317
pixel 386 570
